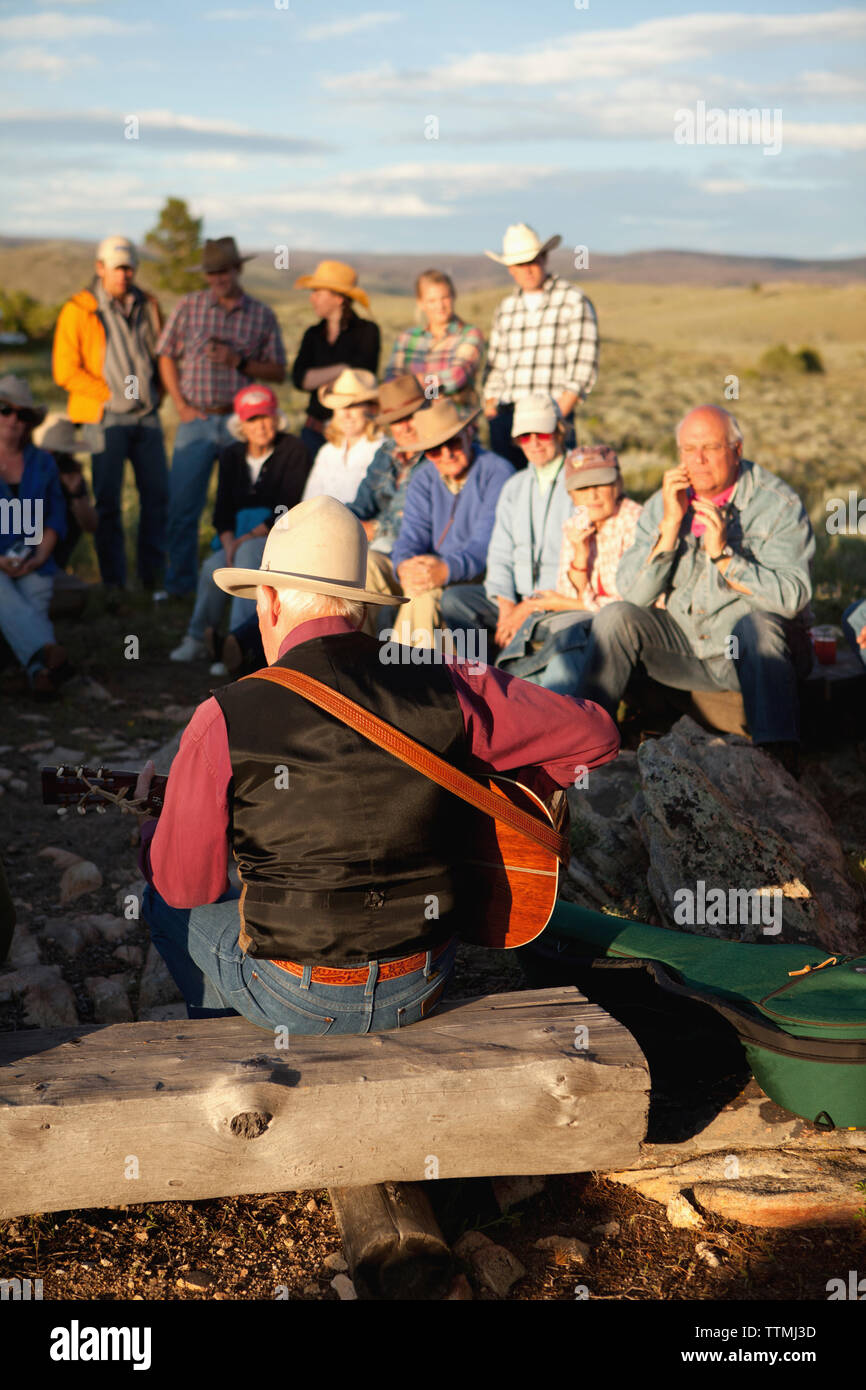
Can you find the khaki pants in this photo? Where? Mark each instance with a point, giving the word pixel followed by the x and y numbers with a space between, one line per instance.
pixel 418 618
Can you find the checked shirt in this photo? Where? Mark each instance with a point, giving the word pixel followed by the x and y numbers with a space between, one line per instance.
pixel 249 327
pixel 543 351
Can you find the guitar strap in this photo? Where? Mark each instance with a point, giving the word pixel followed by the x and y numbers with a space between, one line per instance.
pixel 419 757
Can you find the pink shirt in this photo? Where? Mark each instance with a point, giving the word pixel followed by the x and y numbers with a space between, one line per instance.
pixel 511 726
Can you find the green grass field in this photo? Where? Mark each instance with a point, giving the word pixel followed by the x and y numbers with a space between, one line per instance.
pixel 664 350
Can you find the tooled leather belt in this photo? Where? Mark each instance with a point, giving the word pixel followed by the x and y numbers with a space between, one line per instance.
pixel 389 970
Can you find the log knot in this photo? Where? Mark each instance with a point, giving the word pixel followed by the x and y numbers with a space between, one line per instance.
pixel 249 1124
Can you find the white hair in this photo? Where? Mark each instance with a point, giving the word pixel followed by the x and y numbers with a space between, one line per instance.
pixel 734 435
pixel 302 605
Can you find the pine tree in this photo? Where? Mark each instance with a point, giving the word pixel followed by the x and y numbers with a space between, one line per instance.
pixel 176 240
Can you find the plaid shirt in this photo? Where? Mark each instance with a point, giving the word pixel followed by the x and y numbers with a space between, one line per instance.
pixel 449 364
pixel 250 328
pixel 606 549
pixel 543 351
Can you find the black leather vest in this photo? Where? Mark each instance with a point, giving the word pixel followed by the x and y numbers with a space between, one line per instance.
pixel 345 853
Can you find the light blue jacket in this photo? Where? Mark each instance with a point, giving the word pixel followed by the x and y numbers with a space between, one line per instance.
pixel 773 544
pixel 509 559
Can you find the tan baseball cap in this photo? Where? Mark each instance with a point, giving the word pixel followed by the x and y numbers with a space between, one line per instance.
pixel 115 251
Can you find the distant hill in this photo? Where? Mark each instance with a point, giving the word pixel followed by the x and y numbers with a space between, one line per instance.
pixel 51 270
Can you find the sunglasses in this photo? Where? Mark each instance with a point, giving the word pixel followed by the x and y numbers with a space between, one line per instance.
pixel 451 446
pixel 534 434
pixel 27 417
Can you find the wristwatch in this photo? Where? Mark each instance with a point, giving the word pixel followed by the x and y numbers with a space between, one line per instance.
pixel 725 554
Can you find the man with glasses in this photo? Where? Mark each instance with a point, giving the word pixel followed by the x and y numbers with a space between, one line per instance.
pixel 523 557
pixel 448 517
pixel 105 357
pixel 222 340
pixel 728 546
pixel 544 341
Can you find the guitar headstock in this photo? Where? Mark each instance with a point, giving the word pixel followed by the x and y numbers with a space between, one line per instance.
pixel 85 787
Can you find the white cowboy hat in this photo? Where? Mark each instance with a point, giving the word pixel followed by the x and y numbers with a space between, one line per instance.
pixel 318 546
pixel 352 387
pixel 521 245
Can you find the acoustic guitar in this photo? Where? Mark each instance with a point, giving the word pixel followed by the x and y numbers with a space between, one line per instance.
pixel 506 884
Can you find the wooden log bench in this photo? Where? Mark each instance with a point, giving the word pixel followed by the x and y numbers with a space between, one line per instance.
pixel 540 1081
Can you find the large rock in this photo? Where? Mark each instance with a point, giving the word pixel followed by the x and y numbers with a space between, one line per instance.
pixel 610 863
pixel 157 985
pixel 49 1002
pixel 719 811
pixel 110 999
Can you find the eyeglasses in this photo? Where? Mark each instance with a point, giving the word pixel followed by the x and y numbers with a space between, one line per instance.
pixel 26 416
pixel 534 434
pixel 451 446
pixel 692 450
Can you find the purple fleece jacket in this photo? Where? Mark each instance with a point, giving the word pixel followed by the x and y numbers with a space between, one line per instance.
pixel 429 507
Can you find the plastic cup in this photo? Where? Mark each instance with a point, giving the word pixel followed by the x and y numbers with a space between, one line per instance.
pixel 824 642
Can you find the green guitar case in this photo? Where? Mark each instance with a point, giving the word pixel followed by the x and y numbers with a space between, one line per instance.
pixel 800 1016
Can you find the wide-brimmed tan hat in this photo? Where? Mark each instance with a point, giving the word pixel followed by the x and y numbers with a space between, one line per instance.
pixel 399 398
pixel 352 387
pixel 59 435
pixel 521 244
pixel 441 422
pixel 318 546
pixel 221 253
pixel 335 276
pixel 14 390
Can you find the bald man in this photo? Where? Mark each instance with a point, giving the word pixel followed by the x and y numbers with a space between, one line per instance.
pixel 727 545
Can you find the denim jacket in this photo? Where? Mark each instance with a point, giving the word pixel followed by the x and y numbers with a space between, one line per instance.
pixel 380 499
pixel 773 544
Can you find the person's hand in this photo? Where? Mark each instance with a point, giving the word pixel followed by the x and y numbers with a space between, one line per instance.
pixel 223 354
pixel 142 788
pixel 861 636
pixel 511 622
pixel 370 528
pixel 72 480
pixel 421 573
pixel 188 413
pixel 565 402
pixel 580 547
pixel 715 536
pixel 9 565
pixel 27 565
pixel 230 550
pixel 490 408
pixel 675 495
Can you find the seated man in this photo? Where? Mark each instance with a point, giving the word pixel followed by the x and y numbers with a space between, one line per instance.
pixel 448 518
pixel 728 545
pixel 339 845
pixel 533 506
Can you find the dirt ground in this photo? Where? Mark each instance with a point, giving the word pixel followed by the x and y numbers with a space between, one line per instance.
pixel 277 1246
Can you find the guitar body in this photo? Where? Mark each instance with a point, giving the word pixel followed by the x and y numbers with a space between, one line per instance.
pixel 507 884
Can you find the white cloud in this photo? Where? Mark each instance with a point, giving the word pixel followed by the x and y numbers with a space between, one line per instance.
pixel 614 53
pixel 161 126
pixel 830 137
pixel 723 187
pixel 50 25
pixel 829 84
pixel 352 24
pixel 37 60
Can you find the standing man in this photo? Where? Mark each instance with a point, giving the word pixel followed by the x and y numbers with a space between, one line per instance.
pixel 223 340
pixel 544 341
pixel 105 347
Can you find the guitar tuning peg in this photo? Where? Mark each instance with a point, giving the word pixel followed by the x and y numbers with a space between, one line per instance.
pixel 63 810
pixel 61 771
pixel 101 810
pixel 82 810
pixel 79 771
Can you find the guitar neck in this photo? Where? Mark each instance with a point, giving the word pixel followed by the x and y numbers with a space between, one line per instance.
pixel 85 787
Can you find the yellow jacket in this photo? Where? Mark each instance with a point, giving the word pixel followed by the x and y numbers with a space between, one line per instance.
pixel 79 355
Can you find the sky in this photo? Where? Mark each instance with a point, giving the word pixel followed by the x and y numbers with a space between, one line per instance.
pixel 414 127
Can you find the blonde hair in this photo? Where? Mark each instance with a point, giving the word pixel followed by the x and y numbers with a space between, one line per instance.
pixel 434 277
pixel 334 435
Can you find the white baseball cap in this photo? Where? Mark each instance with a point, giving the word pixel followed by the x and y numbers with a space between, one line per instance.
pixel 115 251
pixel 534 415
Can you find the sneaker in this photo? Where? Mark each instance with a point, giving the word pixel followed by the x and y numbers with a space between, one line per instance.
pixel 190 649
pixel 159 595
pixel 219 668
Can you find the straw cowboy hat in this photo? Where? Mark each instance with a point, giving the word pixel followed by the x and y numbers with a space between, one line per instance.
pixel 352 387
pixel 521 245
pixel 14 390
pixel 440 422
pixel 335 276
pixel 318 546
pixel 399 398
pixel 221 253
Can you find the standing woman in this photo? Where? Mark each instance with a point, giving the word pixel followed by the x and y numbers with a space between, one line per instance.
pixel 339 340
pixel 34 521
pixel 442 351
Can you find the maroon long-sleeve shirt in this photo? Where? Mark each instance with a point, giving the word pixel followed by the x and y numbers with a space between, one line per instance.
pixel 512 726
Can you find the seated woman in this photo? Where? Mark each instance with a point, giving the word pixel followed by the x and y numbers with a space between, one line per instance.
pixel 352 437
pixel 442 351
pixel 259 478
pixel 546 649
pixel 34 519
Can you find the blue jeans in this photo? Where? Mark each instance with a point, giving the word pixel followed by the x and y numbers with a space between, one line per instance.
pixel 467 606
pixel 210 603
pixel 200 948
pixel 140 441
pixel 197 444
pixel 502 443
pixel 24 620
pixel 773 653
pixel 853 621
pixel 549 650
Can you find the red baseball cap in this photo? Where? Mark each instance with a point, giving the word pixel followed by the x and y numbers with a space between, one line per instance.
pixel 255 400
